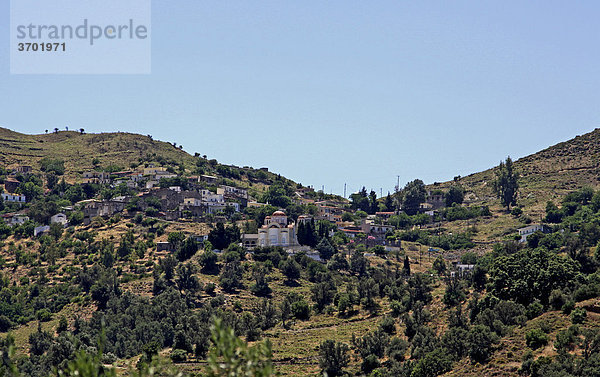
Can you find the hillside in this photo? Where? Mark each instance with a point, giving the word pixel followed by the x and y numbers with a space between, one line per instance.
pixel 335 285
pixel 85 152
pixel 79 150
pixel 547 175
pixel 550 173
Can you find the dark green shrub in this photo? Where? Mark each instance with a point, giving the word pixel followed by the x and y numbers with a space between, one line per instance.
pixel 333 357
pixel 536 338
pixel 178 356
pixel 578 316
pixel 568 307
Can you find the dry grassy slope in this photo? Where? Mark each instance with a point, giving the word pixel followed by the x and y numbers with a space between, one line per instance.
pixel 546 175
pixel 78 150
pixel 549 173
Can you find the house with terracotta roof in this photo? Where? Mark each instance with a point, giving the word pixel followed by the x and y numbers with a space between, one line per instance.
pixel 352 231
pixel 385 215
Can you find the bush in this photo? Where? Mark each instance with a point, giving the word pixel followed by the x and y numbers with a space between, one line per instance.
pixel 457 212
pixel 373 343
pixel 585 291
pixel 230 356
pixel 534 309
pixel 344 304
pixel 565 339
pixel 369 364
pixel 568 307
pixel 397 308
pixel 63 324
pixel 434 363
pixel 5 323
pixel 209 288
pixel 290 268
pixel 388 325
pixel 301 310
pixel 480 341
pixel 56 166
pixel 208 261
pixel 536 338
pixel 231 276
pixel 557 299
pixel 333 357
pixel 178 356
pixel 378 250
pixel 439 265
pixel 44 315
pixel 578 316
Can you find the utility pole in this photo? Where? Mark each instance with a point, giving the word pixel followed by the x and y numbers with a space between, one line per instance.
pixel 344 191
pixel 398 184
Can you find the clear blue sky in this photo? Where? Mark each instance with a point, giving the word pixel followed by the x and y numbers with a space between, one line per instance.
pixel 336 92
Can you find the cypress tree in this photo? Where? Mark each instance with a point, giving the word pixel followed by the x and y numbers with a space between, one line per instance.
pixel 406 268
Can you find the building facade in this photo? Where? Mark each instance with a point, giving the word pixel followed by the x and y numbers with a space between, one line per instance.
pixel 277 231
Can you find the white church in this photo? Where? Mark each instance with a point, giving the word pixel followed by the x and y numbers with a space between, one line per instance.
pixel 276 231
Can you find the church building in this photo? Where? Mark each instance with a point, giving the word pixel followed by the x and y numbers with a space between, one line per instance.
pixel 277 231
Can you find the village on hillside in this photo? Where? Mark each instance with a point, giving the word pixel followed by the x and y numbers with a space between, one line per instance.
pixel 427 278
pixel 159 192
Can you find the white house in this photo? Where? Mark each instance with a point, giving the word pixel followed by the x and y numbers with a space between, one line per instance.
pixel 232 191
pixel 40 230
pixel 210 197
pixel 164 246
pixel 214 207
pixel 14 218
pixel 14 198
pixel 193 202
pixel 136 177
pixel 152 170
pixel 96 177
pixel 526 231
pixel 208 178
pixel 369 227
pixel 60 218
pixel 164 174
pixel 200 238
